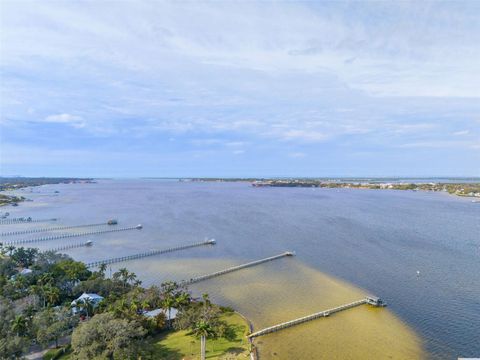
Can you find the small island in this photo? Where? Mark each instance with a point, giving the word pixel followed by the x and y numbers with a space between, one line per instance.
pixel 10 200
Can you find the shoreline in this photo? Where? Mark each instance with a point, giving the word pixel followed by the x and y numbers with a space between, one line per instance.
pixel 467 190
pixel 253 348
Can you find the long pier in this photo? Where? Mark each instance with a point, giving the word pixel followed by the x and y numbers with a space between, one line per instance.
pixel 149 253
pixel 72 246
pixel 67 227
pixel 24 220
pixel 63 236
pixel 236 268
pixel 368 300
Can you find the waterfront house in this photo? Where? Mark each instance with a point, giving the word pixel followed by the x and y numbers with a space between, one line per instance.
pixel 93 299
pixel 156 312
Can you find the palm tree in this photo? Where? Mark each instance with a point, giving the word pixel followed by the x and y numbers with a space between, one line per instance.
pixel 46 278
pixel 204 330
pixel 136 307
pixel 145 305
pixel 3 250
pixel 87 305
pixel 20 325
pixel 119 308
pixel 182 299
pixel 52 294
pixel 167 303
pixel 124 274
pixel 102 268
pixel 131 277
pixel 168 294
pixel 10 249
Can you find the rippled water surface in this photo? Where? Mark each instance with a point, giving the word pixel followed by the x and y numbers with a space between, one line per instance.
pixel 348 243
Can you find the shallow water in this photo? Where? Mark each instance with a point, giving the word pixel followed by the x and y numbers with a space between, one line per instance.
pixel 376 240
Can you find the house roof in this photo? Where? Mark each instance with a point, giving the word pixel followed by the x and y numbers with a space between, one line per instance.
pixel 153 313
pixel 91 297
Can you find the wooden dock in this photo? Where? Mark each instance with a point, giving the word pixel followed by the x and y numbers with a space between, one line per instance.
pixel 64 236
pixel 72 246
pixel 23 221
pixel 149 253
pixel 54 228
pixel 368 300
pixel 236 268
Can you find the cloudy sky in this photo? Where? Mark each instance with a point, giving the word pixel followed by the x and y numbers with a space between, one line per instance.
pixel 103 88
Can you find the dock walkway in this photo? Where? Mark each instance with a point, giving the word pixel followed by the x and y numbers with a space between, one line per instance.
pixel 368 300
pixel 149 253
pixel 236 268
pixel 72 246
pixel 24 220
pixel 63 236
pixel 54 228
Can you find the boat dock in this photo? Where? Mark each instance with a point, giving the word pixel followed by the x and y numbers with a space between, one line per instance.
pixel 31 231
pixel 24 220
pixel 72 246
pixel 63 236
pixel 149 253
pixel 367 300
pixel 236 268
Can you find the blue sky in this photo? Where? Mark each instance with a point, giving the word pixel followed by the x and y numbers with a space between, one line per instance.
pixel 128 89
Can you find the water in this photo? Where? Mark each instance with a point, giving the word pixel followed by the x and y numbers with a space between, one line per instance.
pixel 347 241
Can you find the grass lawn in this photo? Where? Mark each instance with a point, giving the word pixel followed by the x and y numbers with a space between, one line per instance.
pixel 177 345
pixel 60 353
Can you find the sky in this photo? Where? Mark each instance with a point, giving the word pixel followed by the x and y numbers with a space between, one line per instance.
pixel 239 89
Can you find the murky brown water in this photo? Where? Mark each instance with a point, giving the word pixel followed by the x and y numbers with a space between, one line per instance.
pixel 266 298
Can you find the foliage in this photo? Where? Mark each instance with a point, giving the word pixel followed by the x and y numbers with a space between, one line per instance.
pixel 51 324
pixel 24 256
pixel 105 336
pixel 55 354
pixel 173 295
pixel 11 344
pixel 36 306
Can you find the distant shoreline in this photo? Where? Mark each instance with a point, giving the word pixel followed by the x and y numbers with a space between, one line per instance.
pixel 16 183
pixel 459 189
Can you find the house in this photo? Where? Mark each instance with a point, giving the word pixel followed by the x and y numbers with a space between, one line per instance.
pixel 93 299
pixel 154 313
pixel 26 271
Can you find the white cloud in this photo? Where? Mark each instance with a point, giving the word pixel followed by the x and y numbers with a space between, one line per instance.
pixel 438 144
pixel 415 53
pixel 73 120
pixel 304 135
pixel 235 143
pixel 461 132
pixel 297 155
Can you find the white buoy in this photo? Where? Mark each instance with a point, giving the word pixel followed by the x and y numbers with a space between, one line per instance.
pixel 418 272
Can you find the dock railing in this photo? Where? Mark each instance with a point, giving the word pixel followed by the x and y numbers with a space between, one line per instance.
pixel 311 317
pixel 236 268
pixel 149 253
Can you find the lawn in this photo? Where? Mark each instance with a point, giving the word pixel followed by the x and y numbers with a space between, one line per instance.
pixel 60 353
pixel 177 345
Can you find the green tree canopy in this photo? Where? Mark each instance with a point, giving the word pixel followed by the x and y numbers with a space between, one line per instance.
pixel 107 337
